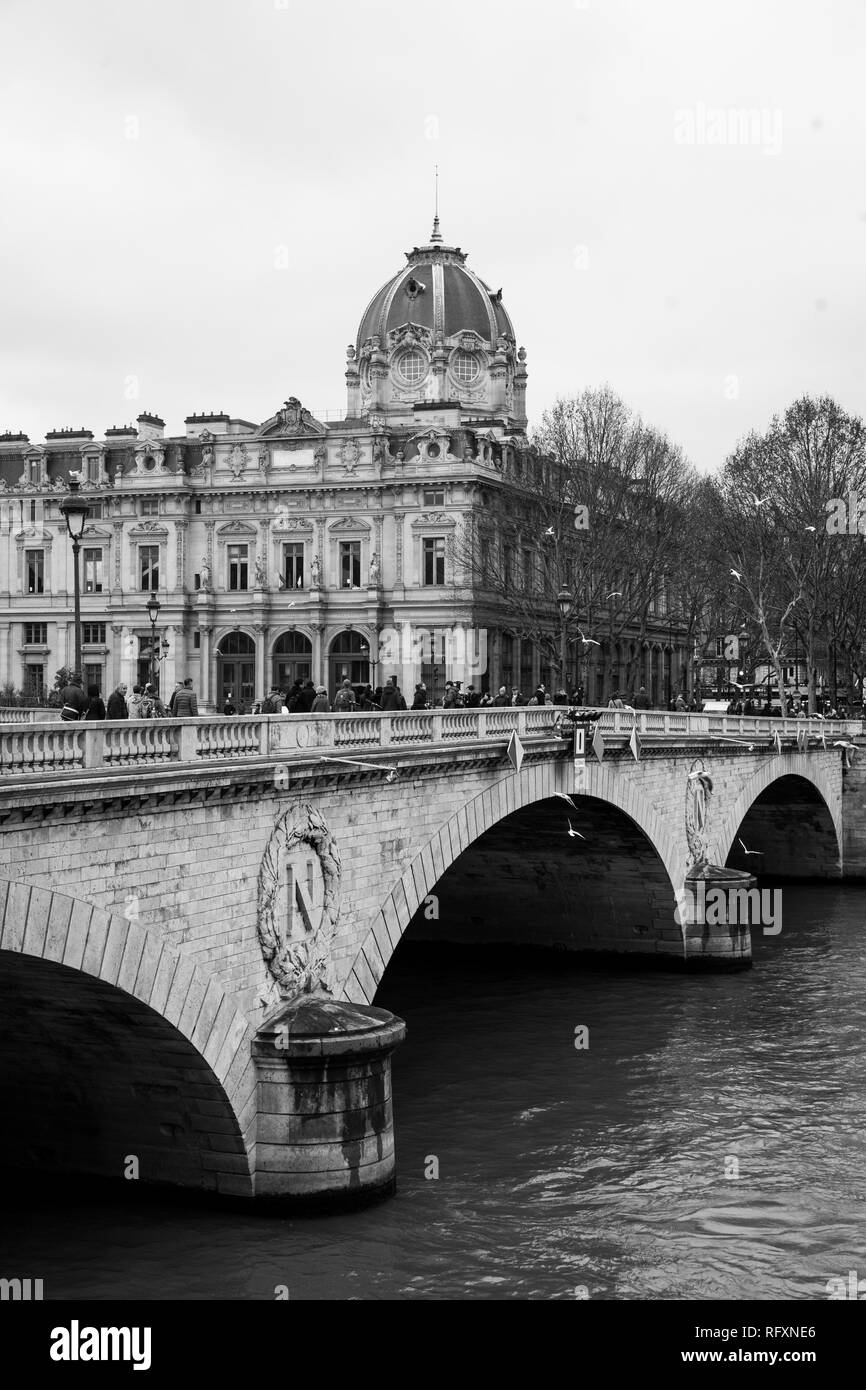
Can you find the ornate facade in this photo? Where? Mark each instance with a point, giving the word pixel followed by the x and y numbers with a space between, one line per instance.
pixel 288 549
pixel 295 548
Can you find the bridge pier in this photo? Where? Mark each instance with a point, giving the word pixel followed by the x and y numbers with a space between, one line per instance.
pixel 325 1131
pixel 713 909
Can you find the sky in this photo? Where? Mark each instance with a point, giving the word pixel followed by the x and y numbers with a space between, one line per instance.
pixel 200 197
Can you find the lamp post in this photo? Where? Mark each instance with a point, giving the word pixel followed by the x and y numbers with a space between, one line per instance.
pixel 153 606
pixel 74 508
pixel 565 604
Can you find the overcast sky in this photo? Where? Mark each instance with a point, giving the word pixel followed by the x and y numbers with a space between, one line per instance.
pixel 199 197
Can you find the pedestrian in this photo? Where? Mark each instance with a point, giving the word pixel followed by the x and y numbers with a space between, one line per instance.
pixel 369 700
pixel 292 696
pixel 680 704
pixel 392 696
pixel 95 707
pixel 538 697
pixel 642 700
pixel 73 699
pixel 229 706
pixel 561 697
pixel 117 704
pixel 306 698
pixel 419 699
pixel 472 698
pixel 449 699
pixel 178 685
pixel 135 703
pixel 321 704
pixel 502 699
pixel 344 701
pixel 185 701
pixel 151 705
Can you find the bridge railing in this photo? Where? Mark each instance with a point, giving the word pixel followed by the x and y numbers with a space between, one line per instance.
pixel 33 748
pixel 671 724
pixel 29 748
pixel 26 714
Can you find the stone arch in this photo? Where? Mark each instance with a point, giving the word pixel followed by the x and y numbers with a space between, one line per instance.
pixel 184 1012
pixel 794 765
pixel 532 784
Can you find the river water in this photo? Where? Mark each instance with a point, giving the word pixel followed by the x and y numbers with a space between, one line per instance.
pixel 561 1171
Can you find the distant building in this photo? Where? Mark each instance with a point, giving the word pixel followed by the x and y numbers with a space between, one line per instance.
pixel 295 548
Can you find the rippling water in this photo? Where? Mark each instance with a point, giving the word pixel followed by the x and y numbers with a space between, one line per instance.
pixel 558 1169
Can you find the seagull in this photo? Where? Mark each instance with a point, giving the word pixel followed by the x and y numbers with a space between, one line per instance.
pixel 617 593
pixel 550 531
pixel 808 528
pixel 844 743
pixel 759 852
pixel 575 833
pixel 393 772
pixel 565 797
pixel 737 575
pixel 759 501
pixel 588 641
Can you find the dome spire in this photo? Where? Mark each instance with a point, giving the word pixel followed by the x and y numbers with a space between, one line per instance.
pixel 436 235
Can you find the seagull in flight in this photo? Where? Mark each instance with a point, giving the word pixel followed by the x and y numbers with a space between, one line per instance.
pixel 759 852
pixel 759 501
pixel 808 528
pixel 737 575
pixel 617 593
pixel 550 531
pixel 574 834
pixel 564 796
pixel 588 641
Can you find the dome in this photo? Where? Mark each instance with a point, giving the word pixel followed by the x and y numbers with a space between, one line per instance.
pixel 436 291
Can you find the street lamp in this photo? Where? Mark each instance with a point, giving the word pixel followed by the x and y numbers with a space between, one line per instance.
pixel 153 606
pixel 565 604
pixel 74 508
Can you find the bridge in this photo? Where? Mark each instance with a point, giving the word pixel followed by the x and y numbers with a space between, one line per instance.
pixel 196 915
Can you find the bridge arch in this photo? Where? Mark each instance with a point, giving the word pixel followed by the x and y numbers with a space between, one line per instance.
pixel 130 1049
pixel 497 803
pixel 799 783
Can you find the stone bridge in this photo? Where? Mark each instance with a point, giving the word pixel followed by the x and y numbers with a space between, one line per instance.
pixel 168 890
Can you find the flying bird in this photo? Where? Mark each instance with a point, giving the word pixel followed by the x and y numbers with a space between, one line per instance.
pixel 808 528
pixel 588 641
pixel 737 575
pixel 759 852
pixel 844 743
pixel 563 796
pixel 575 833
pixel 550 531
pixel 617 593
pixel 759 501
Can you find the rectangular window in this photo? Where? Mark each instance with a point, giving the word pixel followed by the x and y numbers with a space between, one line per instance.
pixel 34 682
pixel 350 564
pixel 33 508
pixel 92 675
pixel 34 472
pixel 34 571
pixel 94 511
pixel 528 584
pixel 526 677
pixel 434 497
pixel 198 506
pixel 434 560
pixel 507 566
pixel 150 506
pixel 93 571
pixel 196 641
pixel 93 633
pixel 293 566
pixel 148 566
pixel 485 559
pixel 238 562
pixel 93 470
pixel 35 634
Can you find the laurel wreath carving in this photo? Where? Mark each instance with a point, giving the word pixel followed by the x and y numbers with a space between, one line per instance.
pixel 299 966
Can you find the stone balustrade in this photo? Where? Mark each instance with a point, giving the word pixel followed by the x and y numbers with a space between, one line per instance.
pixel 31 748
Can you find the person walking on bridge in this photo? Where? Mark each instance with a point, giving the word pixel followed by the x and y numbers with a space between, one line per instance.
pixel 73 698
pixel 185 701
pixel 117 704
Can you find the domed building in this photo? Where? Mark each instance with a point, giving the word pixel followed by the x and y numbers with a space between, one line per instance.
pixel 437 334
pixel 294 549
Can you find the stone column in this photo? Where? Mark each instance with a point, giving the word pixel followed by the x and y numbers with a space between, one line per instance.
pixel 205 662
pixel 325 1128
pixel 319 677
pixel 170 665
pixel 263 680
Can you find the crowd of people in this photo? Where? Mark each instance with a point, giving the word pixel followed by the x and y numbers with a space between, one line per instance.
pixel 305 697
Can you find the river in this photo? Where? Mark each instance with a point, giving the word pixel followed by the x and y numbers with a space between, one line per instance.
pixel 563 1172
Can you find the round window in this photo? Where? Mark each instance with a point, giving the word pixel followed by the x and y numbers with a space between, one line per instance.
pixel 464 367
pixel 412 367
